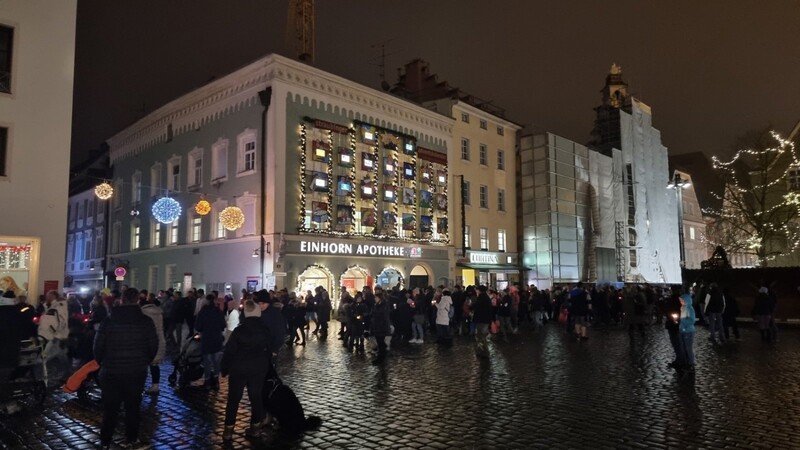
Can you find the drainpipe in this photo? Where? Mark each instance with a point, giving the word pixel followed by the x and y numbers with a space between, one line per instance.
pixel 463 218
pixel 265 97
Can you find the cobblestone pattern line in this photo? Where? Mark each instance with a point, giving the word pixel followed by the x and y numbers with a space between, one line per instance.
pixel 540 390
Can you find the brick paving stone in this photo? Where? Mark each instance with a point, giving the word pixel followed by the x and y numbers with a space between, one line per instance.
pixel 541 390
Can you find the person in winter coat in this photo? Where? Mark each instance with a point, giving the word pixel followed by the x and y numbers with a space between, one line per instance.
pixel 246 360
pixel 762 312
pixel 715 307
pixel 125 345
pixel 505 313
pixel 417 305
pixel 295 314
pixel 687 331
pixel 730 314
pixel 444 310
pixel 580 308
pixel 358 312
pixel 232 317
pixel 210 325
pixel 672 309
pixel 482 316
pixel 633 305
pixel 54 329
pixel 153 311
pixel 273 319
pixel 12 331
pixel 324 309
pixel 380 326
pixel 343 316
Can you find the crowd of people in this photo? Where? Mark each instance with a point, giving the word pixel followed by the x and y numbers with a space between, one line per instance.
pixel 240 337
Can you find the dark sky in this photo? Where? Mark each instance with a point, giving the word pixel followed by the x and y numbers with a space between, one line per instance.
pixel 710 69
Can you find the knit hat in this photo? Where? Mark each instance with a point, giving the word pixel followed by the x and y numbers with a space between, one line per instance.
pixel 251 309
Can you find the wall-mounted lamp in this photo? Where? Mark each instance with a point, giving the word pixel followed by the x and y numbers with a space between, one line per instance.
pixel 267 250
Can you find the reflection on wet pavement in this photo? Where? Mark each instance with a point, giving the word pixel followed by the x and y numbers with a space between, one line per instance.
pixel 540 390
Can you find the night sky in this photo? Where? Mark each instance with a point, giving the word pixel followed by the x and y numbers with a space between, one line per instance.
pixel 710 69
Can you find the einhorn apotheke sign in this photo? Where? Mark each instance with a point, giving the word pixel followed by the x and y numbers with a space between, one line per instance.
pixel 364 249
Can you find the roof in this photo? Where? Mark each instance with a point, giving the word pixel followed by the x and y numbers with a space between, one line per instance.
pixel 705 179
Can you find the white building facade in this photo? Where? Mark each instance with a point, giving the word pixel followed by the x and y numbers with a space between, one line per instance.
pixel 37 54
pixel 604 214
pixel 338 185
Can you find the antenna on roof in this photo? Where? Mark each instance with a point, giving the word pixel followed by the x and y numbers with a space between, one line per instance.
pixel 382 63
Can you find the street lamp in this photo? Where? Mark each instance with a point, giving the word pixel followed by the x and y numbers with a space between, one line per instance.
pixel 679 184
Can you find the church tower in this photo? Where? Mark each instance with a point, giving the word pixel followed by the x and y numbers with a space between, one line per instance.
pixel 606 132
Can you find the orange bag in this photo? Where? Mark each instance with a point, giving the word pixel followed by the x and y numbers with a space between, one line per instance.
pixel 75 381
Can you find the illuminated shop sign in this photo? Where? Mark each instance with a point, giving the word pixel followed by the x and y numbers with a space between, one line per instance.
pixel 483 258
pixel 342 248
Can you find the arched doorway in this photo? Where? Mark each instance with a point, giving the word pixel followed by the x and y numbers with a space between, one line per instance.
pixel 389 278
pixel 312 277
pixel 354 279
pixel 419 277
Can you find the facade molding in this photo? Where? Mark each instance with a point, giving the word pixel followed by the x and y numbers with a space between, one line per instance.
pixel 239 90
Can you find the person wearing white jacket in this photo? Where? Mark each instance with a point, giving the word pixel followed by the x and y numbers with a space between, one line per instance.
pixel 54 329
pixel 444 309
pixel 231 318
pixel 153 311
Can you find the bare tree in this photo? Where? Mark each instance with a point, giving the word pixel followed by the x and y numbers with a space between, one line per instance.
pixel 760 211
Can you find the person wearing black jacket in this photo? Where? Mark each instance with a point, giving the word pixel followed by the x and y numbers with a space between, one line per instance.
pixel 210 323
pixel 125 344
pixel 380 325
pixel 482 315
pixel 730 314
pixel 247 360
pixel 672 309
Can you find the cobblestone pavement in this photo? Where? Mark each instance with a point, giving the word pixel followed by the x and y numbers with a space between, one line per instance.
pixel 540 390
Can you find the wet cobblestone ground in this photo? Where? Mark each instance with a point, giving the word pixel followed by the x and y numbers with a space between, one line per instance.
pixel 540 390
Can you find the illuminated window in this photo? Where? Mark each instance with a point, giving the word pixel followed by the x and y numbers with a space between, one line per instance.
pixel 197 226
pixel 467 236
pixel 691 233
pixel 155 235
pixel 135 236
pixel 173 233
pixel 319 181
pixel 368 161
pixel 389 194
pixel 388 166
pixel 484 236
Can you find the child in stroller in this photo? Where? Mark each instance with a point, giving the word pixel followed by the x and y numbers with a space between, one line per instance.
pixel 188 367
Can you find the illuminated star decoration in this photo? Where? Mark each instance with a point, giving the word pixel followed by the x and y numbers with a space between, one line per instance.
pixel 232 218
pixel 166 210
pixel 202 207
pixel 103 191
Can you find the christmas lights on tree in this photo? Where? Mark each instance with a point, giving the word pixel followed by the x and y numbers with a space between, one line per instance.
pixel 760 210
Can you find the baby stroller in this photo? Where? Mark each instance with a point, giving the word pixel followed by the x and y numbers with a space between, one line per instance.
pixel 28 380
pixel 189 364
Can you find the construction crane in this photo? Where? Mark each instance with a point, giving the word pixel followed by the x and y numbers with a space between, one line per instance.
pixel 300 35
